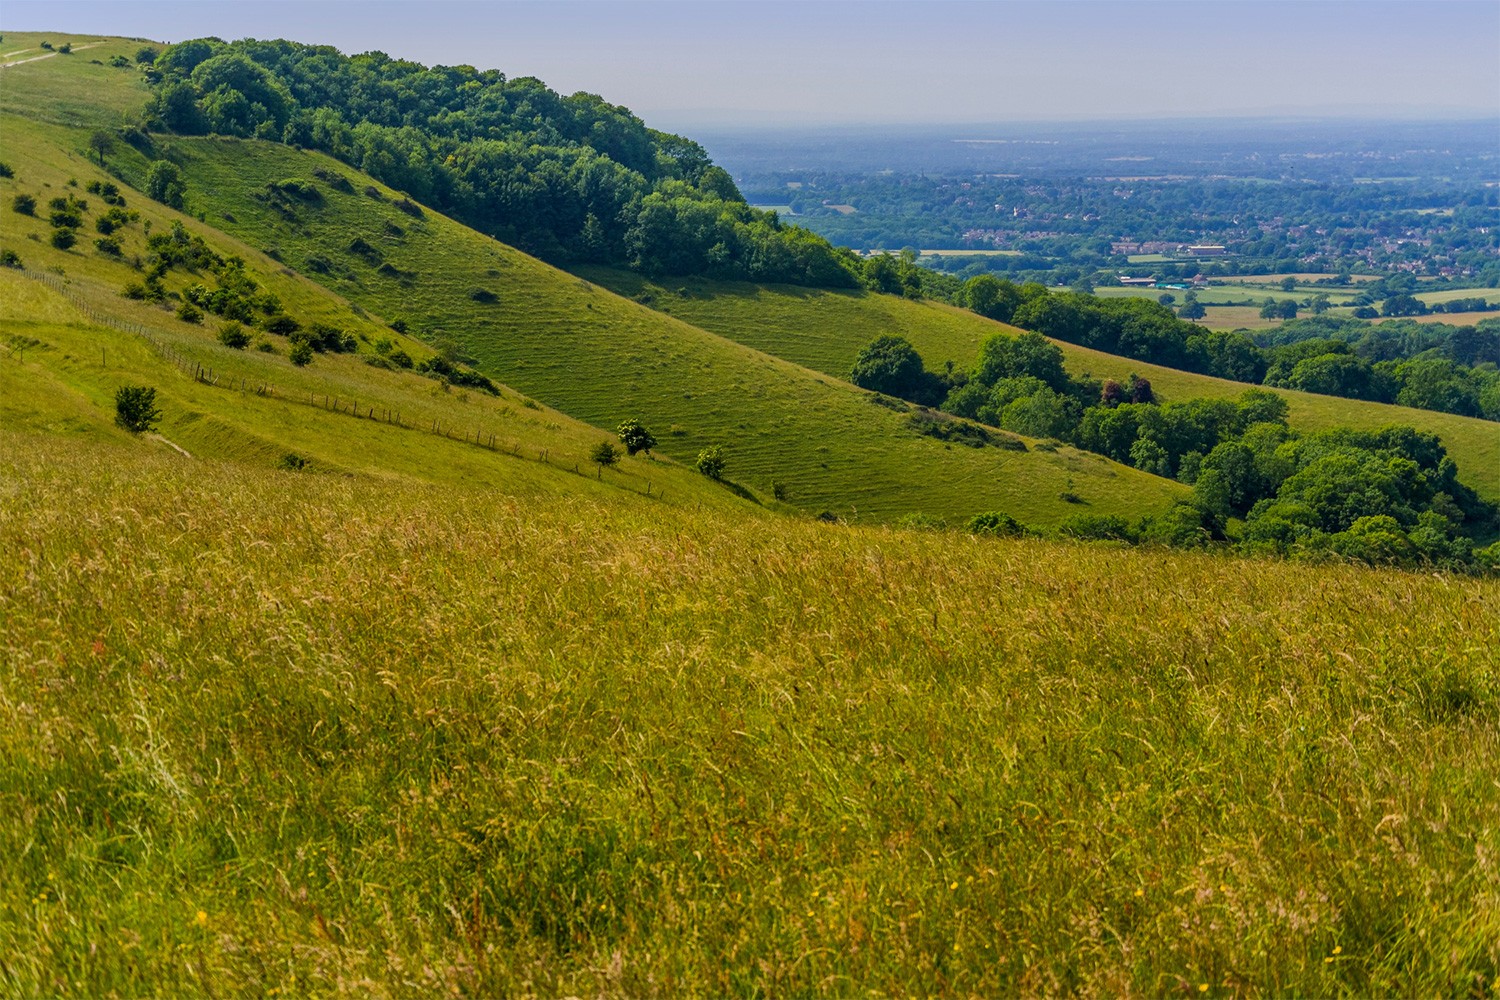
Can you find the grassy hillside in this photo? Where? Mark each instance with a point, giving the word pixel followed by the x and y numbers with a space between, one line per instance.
pixel 816 441
pixel 376 737
pixel 601 358
pixel 825 330
pixel 449 711
pixel 69 341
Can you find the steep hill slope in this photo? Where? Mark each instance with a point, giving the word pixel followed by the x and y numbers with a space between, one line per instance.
pixel 825 330
pixel 815 441
pixel 602 359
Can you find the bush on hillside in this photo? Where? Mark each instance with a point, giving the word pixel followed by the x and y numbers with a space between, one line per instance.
pixel 233 335
pixel 604 455
pixel 711 462
pixel 63 238
pixel 24 204
pixel 635 437
pixel 995 522
pixel 135 408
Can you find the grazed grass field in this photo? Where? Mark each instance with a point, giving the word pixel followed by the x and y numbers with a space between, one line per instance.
pixel 263 733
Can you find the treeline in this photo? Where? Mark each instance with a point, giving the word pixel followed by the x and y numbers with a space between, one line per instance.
pixel 566 178
pixel 1386 496
pixel 1453 371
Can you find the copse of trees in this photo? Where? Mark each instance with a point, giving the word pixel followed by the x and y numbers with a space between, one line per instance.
pixel 566 178
pixel 1452 370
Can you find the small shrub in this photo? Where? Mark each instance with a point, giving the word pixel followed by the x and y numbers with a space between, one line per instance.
pixel 265 347
pixel 63 238
pixel 8 258
pixel 234 335
pixel 47 46
pixel 779 490
pixel 5 170
pixel 605 454
pixel 23 203
pixel 635 437
pixel 319 264
pixel 292 462
pixel 995 522
pixel 301 353
pixel 484 296
pixel 65 49
pixel 135 408
pixel 282 325
pixel 145 56
pixel 189 313
pixel 400 358
pixel 134 290
pixel 710 462
pixel 119 62
pixel 410 207
pixel 109 246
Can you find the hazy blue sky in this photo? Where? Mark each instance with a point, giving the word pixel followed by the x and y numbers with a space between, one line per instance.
pixel 919 60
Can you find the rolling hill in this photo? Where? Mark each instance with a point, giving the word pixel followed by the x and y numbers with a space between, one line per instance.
pixel 817 441
pixel 825 330
pixel 351 679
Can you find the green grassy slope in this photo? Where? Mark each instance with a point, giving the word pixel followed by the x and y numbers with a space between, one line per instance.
pixel 578 347
pixel 825 330
pixel 68 340
pixel 601 358
pixel 375 737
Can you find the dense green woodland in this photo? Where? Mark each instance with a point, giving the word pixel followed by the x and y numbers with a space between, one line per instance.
pixel 1431 367
pixel 565 178
pixel 1390 496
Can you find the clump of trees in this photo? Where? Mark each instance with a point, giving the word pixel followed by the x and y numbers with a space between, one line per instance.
pixel 1452 369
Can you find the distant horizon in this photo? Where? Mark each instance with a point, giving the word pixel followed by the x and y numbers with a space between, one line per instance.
pixel 863 63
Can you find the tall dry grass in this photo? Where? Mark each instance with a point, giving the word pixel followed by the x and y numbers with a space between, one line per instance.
pixel 274 733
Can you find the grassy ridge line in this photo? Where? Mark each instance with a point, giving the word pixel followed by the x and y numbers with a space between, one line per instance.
pixel 602 359
pixel 825 330
pixel 413 738
pixel 80 89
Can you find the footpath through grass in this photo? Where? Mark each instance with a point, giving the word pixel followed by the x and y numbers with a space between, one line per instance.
pixel 268 733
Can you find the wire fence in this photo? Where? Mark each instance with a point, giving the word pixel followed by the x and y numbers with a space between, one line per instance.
pixel 476 436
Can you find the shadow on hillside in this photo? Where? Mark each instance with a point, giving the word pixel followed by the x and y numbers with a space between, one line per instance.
pixel 740 491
